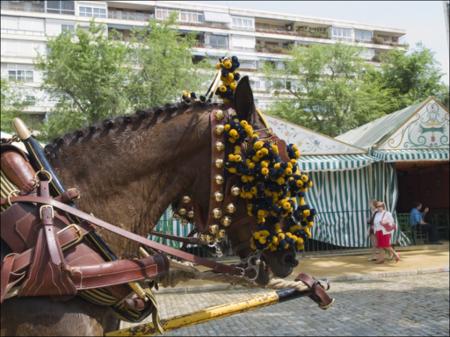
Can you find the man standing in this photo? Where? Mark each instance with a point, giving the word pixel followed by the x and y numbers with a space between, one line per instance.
pixel 417 223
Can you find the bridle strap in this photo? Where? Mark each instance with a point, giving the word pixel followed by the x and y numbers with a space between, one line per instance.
pixel 215 266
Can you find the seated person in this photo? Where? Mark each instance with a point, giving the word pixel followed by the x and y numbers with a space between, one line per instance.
pixel 416 220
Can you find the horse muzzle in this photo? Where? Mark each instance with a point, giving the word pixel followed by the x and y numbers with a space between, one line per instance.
pixel 281 263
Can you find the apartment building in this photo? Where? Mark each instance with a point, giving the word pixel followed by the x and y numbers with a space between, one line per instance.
pixel 252 35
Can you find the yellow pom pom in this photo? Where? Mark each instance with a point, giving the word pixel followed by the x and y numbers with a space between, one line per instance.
pixel 302 201
pixel 227 63
pixel 286 205
pixel 275 241
pixel 222 88
pixel 258 145
pixel 233 133
pixel 232 170
pixel 264 171
pixel 237 149
pixel 277 166
pixel 230 76
pixel 310 184
pixel 299 183
pixel 232 140
pixel 218 65
pixel 281 236
pixel 281 181
pixel 255 159
pixel 227 127
pixel 306 212
pixel 243 123
pixel 304 177
pixel 251 165
pixel 310 224
pixel 264 163
pixel 288 171
pixel 274 148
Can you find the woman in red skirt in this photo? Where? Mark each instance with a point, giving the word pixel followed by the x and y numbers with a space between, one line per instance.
pixel 384 225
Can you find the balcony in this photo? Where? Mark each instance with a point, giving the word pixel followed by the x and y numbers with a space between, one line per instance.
pixel 25 6
pixel 130 15
pixel 271 49
pixel 388 40
pixel 304 31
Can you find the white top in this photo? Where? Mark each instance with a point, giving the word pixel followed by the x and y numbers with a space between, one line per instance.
pixel 386 217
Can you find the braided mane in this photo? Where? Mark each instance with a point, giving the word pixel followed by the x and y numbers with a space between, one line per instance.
pixel 121 123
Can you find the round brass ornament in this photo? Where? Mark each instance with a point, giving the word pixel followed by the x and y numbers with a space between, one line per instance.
pixel 219 115
pixel 221 234
pixel 182 211
pixel 218 196
pixel 214 229
pixel 231 208
pixel 235 191
pixel 220 146
pixel 190 214
pixel 219 179
pixel 219 129
pixel 186 199
pixel 217 213
pixel 219 163
pixel 226 221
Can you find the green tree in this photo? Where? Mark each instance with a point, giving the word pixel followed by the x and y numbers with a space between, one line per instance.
pixel 329 89
pixel 94 75
pixel 12 105
pixel 411 76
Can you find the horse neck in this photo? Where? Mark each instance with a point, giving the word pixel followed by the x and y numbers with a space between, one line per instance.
pixel 130 176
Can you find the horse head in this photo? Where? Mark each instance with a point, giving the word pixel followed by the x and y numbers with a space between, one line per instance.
pixel 214 203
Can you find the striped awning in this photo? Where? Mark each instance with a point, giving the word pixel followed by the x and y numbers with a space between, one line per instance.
pixel 332 163
pixel 412 155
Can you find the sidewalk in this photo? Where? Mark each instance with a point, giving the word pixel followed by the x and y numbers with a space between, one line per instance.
pixel 351 265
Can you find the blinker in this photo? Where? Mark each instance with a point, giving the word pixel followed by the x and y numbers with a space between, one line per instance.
pixel 218 196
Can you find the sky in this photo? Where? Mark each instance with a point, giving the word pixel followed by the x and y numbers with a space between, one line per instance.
pixel 423 21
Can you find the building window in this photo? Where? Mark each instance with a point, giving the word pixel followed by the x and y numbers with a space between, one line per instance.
pixel 239 22
pixel 218 41
pixel 20 75
pixel 61 7
pixel 93 12
pixel 363 35
pixel 339 33
pixel 182 16
pixel 67 28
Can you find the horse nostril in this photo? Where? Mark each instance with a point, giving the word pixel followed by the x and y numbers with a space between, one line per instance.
pixel 289 259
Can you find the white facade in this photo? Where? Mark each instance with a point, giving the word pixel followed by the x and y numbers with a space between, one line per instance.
pixel 253 36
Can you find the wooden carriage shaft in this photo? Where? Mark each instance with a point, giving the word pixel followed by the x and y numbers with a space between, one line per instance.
pixel 211 313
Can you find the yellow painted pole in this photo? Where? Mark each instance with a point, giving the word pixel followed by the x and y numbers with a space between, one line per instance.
pixel 207 314
pixel 215 312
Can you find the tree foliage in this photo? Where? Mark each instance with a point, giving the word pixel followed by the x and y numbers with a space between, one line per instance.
pixel 12 105
pixel 332 89
pixel 329 89
pixel 411 76
pixel 94 75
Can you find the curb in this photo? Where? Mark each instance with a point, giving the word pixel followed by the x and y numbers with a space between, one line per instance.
pixel 356 277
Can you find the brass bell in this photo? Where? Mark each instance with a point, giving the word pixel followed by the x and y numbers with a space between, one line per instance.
pixel 184 222
pixel 218 196
pixel 219 179
pixel 231 208
pixel 235 190
pixel 217 213
pixel 219 129
pixel 220 146
pixel 209 238
pixel 226 221
pixel 186 199
pixel 219 163
pixel 182 211
pixel 190 214
pixel 214 229
pixel 221 234
pixel 219 114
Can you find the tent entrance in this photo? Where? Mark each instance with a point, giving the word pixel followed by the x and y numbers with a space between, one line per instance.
pixel 426 182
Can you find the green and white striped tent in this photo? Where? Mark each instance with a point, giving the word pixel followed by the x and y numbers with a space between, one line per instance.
pixel 417 133
pixel 346 179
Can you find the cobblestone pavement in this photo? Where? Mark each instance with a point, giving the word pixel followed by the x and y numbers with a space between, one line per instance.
pixel 410 305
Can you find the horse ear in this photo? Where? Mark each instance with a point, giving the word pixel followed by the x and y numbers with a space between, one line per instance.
pixel 243 99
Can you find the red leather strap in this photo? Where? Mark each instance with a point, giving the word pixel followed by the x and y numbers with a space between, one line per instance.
pixel 217 267
pixel 318 294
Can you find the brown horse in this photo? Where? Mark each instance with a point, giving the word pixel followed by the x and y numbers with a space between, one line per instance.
pixel 129 170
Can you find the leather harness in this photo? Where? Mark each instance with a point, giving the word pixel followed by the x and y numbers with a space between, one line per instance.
pixel 88 277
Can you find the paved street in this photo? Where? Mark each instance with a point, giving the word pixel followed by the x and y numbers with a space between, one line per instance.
pixel 407 305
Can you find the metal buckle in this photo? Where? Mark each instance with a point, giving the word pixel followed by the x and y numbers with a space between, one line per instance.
pixel 46 206
pixel 253 262
pixel 78 232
